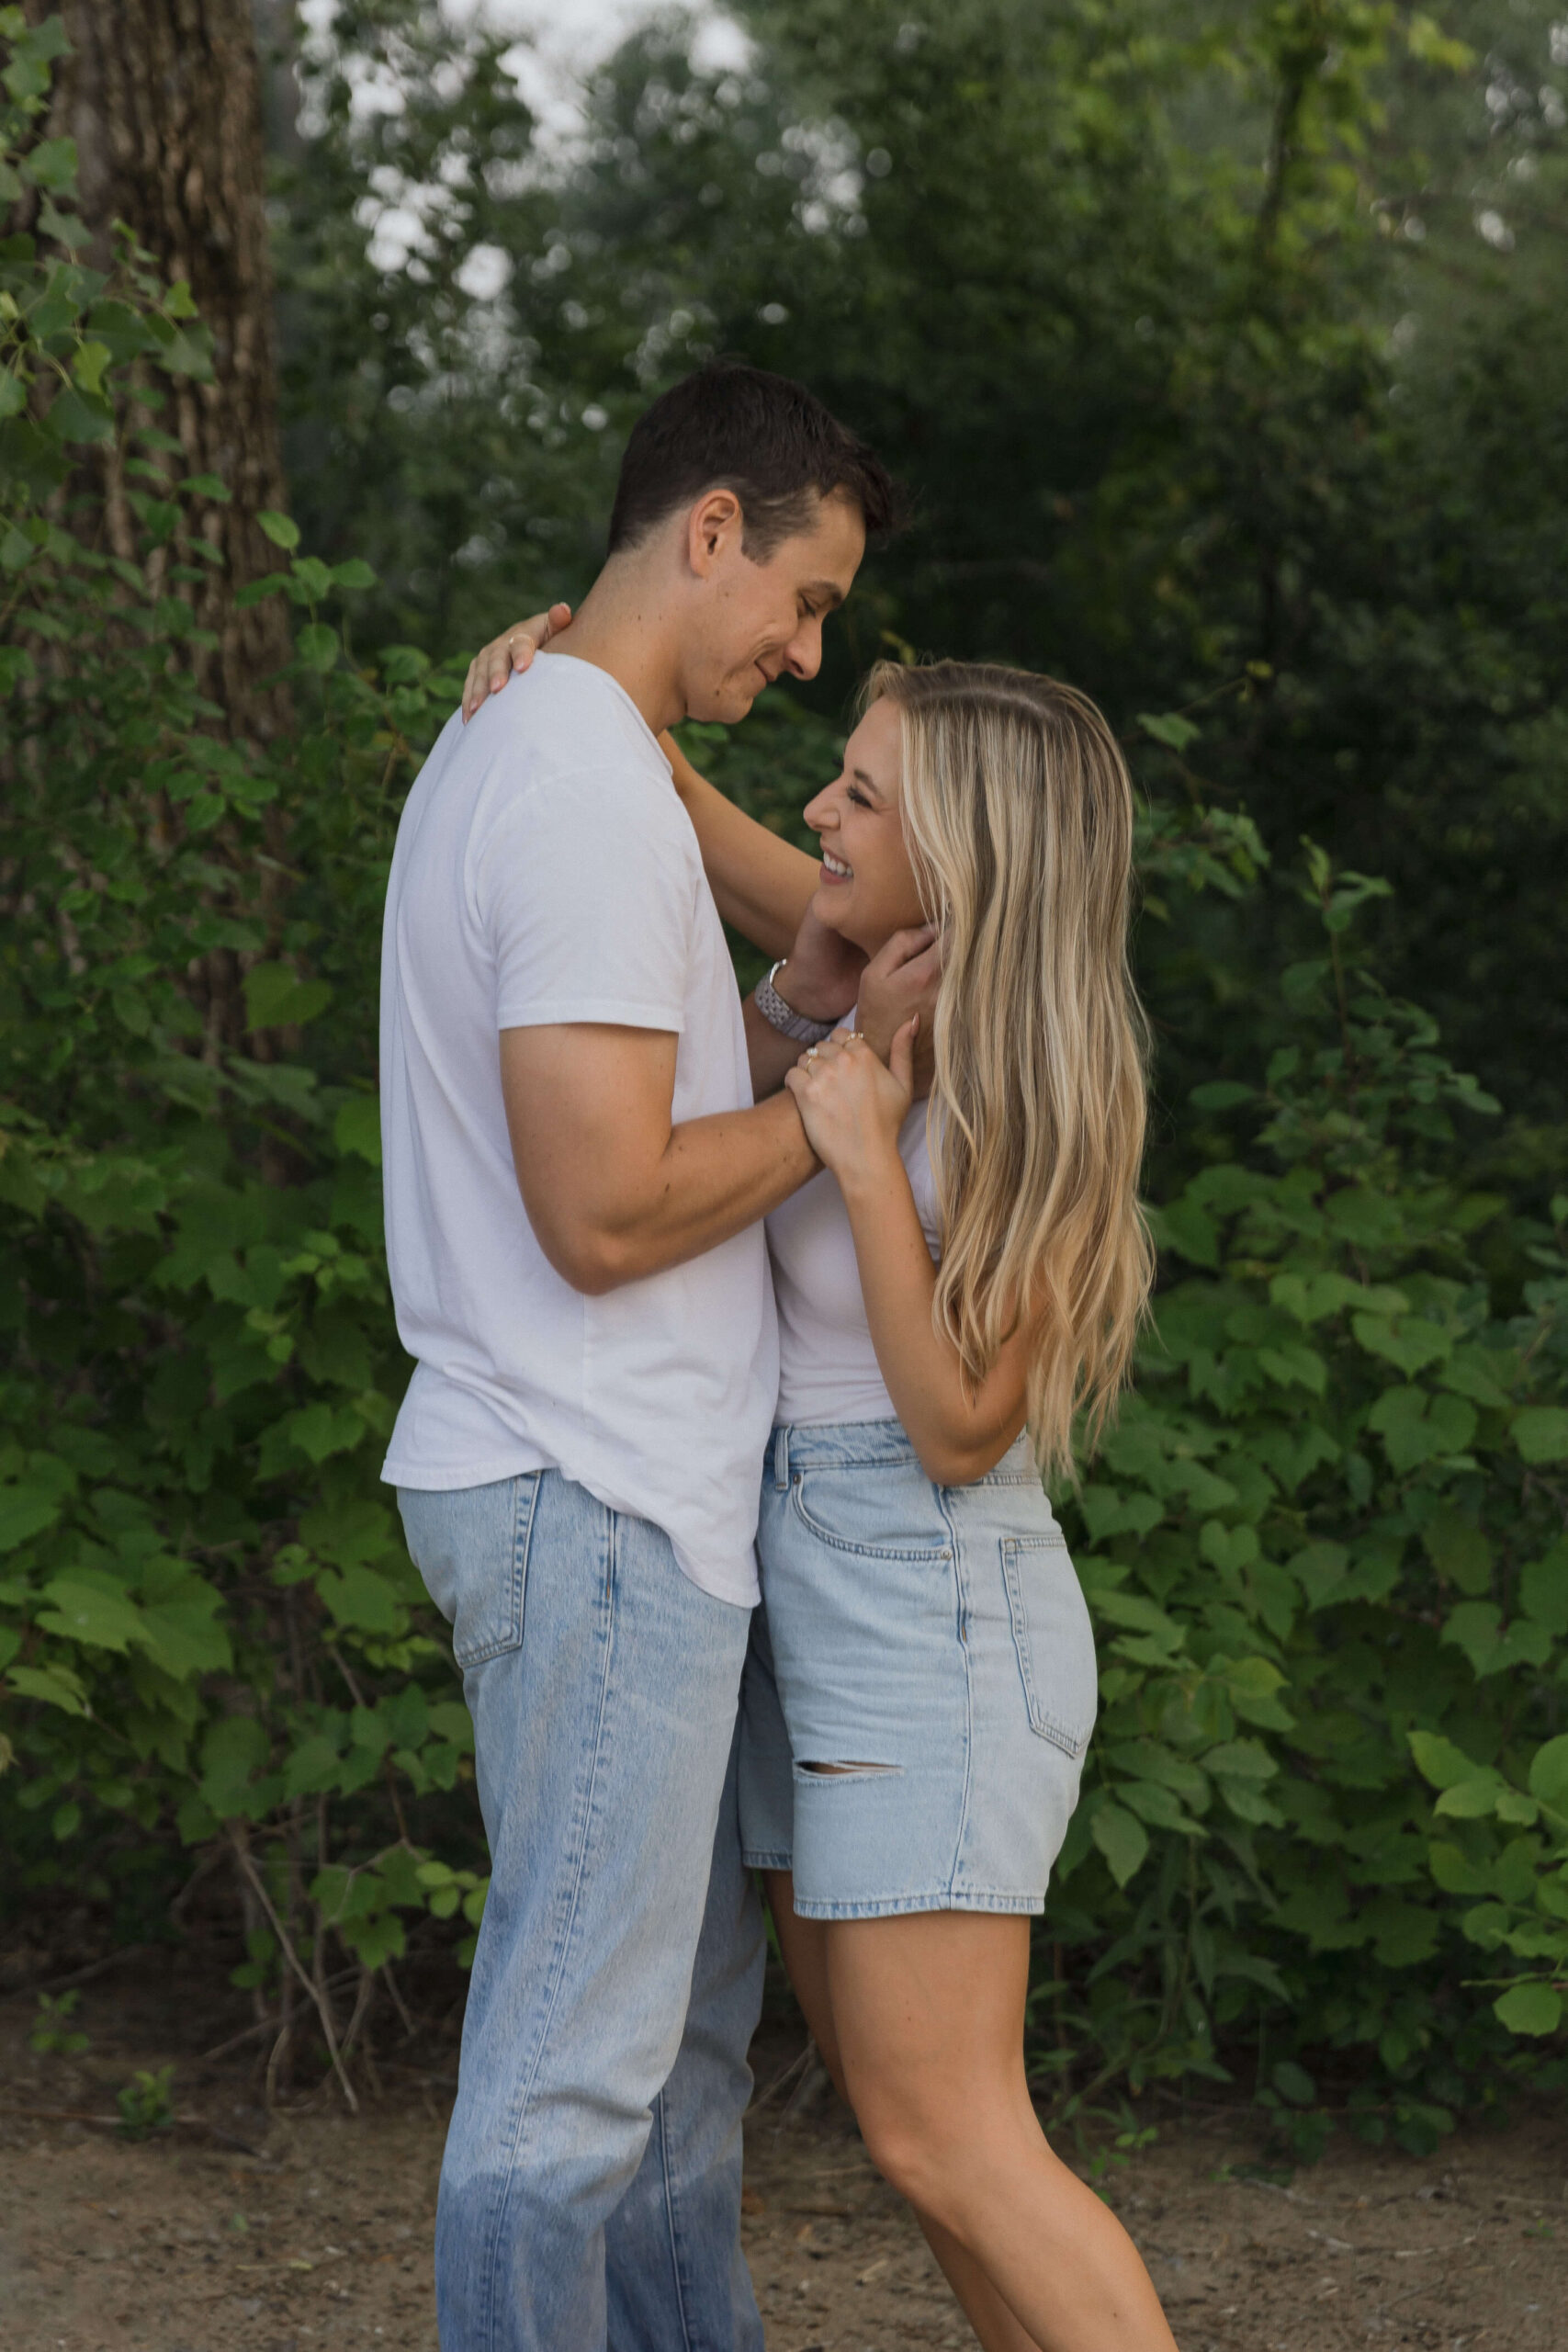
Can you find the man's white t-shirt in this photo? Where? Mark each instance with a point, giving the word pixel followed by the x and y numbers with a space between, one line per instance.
pixel 545 871
pixel 828 1367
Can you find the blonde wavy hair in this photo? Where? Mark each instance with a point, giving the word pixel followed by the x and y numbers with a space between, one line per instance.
pixel 1018 812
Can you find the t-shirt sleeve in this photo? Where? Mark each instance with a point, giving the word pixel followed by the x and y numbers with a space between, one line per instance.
pixel 586 894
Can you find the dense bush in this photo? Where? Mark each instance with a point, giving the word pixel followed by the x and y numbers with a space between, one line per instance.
pixel 1326 1809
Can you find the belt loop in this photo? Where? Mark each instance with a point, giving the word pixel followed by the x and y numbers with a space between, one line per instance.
pixel 780 1457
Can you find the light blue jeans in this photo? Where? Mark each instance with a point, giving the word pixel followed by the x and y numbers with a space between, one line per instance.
pixel 933 1640
pixel 590 2195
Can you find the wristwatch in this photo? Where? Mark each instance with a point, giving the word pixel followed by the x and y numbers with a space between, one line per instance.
pixel 783 1017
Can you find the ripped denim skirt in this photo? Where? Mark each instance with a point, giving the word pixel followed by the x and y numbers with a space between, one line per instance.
pixel 932 1646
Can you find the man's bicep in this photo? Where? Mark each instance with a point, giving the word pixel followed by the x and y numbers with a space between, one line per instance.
pixel 588 1109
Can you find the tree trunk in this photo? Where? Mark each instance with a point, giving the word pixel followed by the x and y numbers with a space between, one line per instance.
pixel 163 100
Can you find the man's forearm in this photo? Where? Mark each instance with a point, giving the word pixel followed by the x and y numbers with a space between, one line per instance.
pixel 715 1177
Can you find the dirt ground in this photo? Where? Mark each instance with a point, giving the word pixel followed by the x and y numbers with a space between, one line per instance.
pixel 311 2229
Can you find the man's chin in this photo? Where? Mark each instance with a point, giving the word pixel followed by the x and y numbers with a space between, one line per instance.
pixel 725 707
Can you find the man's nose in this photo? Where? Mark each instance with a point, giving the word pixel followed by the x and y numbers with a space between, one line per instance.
pixel 803 654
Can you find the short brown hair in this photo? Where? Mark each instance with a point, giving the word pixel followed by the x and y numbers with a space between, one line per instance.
pixel 733 427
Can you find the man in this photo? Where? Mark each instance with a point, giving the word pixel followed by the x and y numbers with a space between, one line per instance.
pixel 575 1173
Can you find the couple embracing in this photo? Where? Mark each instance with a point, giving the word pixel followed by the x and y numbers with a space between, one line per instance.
pixel 810 1286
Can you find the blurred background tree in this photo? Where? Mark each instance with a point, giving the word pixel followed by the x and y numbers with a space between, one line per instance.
pixel 1219 344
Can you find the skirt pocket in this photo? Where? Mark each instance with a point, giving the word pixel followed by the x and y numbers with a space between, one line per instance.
pixel 1053 1639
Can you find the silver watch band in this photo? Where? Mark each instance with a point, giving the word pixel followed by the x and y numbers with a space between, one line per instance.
pixel 783 1017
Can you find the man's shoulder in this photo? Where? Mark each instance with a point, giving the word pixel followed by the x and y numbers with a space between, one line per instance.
pixel 564 719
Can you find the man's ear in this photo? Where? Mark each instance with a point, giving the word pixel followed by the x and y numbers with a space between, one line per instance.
pixel 713 531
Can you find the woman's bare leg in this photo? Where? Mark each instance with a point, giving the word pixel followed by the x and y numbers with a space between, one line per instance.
pixel 928 2011
pixel 804 1943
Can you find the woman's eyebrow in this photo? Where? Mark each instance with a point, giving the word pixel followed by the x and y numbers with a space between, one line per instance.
pixel 870 782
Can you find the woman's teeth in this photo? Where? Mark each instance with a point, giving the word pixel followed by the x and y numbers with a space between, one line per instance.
pixel 836 865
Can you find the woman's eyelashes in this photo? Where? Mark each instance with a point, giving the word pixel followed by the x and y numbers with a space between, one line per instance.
pixel 858 797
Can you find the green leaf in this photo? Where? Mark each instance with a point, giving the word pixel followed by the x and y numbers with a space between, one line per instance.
pixel 1543 1589
pixel 1459 1550
pixel 311 1767
pixel 1242 1759
pixel 1472 1800
pixel 26 1510
pixel 51 164
pixel 362 1598
pixel 280 528
pixel 1293 2083
pixel 1409 1344
pixel 1454 1871
pixel 1252 1683
pixel 276 997
pixel 92 1613
pixel 320 1430
pixel 1122 1839
pixel 1417 1428
pixel 317 646
pixel 56 1686
pixel 1228 1549
pixel 1476 1628
pixel 1169 727
pixel 1439 1762
pixel 1529 2009
pixel 354 573
pixel 1541 1432
pixel 73 417
pixel 357 1128
pixel 1548 1773
pixel 88 366
pixel 236 1750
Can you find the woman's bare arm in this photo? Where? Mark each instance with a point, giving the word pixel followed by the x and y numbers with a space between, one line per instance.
pixel 761 884
pixel 854 1110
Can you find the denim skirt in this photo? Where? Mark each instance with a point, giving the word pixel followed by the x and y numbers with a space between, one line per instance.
pixel 933 1644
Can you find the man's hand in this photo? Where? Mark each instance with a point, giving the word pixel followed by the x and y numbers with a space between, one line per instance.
pixel 511 652
pixel 901 981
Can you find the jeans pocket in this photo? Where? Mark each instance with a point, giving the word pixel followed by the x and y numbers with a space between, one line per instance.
pixel 470 1546
pixel 1053 1639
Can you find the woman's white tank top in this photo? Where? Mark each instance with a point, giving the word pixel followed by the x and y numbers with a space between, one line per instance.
pixel 828 1367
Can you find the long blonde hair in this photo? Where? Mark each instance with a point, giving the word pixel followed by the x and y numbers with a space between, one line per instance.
pixel 1018 811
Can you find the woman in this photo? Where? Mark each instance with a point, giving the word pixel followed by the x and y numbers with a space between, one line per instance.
pixel 962 1280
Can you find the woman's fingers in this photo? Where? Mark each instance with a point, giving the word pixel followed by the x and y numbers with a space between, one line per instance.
pixel 512 651
pixel 901 1060
pixel 905 946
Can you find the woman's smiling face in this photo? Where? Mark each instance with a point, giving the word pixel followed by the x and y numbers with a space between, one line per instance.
pixel 867 889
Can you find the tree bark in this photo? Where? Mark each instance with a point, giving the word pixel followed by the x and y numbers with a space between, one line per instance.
pixel 163 100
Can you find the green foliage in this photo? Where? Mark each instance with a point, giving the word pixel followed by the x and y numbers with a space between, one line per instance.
pixel 209 1629
pixel 1208 338
pixel 146 2103
pixel 1323 1815
pixel 52 2034
pixel 1325 1542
